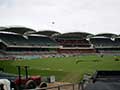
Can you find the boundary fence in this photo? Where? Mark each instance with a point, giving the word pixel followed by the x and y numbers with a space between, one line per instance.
pixel 76 86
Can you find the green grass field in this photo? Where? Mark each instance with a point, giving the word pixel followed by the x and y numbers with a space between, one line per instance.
pixel 68 69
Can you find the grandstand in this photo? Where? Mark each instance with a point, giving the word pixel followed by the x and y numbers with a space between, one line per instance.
pixel 74 42
pixel 100 41
pixel 12 39
pixel 22 41
pixel 74 39
pixel 106 43
pixel 15 44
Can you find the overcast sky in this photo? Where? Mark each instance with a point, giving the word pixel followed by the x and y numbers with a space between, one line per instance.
pixel 93 16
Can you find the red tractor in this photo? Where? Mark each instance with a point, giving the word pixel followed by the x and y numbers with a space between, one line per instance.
pixel 27 82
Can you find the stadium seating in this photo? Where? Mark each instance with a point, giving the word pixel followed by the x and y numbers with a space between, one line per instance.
pixel 74 43
pixel 106 45
pixel 117 41
pixel 13 39
pixel 102 42
pixel 76 51
pixel 41 41
pixel 74 39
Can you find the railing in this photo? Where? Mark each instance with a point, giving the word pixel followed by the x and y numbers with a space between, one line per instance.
pixel 77 86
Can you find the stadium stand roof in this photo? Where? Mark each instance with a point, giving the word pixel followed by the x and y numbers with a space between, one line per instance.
pixel 118 36
pixel 38 35
pixel 81 35
pixel 102 37
pixel 4 32
pixel 110 35
pixel 48 33
pixel 19 30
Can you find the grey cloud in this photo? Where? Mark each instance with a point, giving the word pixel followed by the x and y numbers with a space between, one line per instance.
pixel 84 15
pixel 6 3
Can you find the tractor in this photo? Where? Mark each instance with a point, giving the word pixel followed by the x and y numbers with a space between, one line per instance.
pixel 27 82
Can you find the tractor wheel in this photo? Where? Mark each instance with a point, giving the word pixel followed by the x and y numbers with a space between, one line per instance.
pixel 30 84
pixel 43 85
